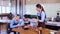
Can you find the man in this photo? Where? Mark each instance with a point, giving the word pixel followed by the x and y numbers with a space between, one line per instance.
pixel 15 22
pixel 26 22
pixel 41 17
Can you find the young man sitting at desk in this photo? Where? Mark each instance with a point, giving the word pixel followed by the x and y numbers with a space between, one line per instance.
pixel 26 22
pixel 15 22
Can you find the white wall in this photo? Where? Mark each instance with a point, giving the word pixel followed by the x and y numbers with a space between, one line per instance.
pixel 51 9
pixel 30 9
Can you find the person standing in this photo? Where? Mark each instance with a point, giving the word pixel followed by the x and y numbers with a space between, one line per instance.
pixel 41 15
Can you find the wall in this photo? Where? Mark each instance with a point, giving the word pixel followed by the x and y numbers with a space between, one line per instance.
pixel 41 1
pixel 51 9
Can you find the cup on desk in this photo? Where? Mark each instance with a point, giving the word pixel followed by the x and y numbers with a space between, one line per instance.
pixel 25 27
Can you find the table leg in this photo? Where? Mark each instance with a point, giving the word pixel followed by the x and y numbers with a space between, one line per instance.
pixel 0 27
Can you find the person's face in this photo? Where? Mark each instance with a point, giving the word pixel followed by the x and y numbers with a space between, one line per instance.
pixel 17 18
pixel 38 9
pixel 26 19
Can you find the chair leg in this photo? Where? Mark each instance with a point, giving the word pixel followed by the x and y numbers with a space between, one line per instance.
pixel 18 33
pixel 8 32
pixel 40 32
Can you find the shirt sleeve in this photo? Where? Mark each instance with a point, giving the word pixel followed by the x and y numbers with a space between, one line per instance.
pixel 21 22
pixel 12 24
pixel 31 22
pixel 42 17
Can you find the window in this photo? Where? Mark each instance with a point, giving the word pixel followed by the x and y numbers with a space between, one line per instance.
pixel 3 9
pixel 0 9
pixel 4 6
pixel 7 9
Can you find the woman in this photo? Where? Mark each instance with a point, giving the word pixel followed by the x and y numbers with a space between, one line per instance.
pixel 41 17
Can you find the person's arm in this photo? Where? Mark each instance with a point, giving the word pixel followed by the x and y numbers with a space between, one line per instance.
pixel 12 24
pixel 42 17
pixel 21 22
pixel 31 22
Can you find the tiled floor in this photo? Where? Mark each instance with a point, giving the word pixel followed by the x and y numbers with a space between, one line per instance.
pixel 4 31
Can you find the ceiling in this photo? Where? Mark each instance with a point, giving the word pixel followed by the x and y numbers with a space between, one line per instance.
pixel 41 1
pixel 32 1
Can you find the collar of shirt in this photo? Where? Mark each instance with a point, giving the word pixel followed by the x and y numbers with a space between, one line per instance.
pixel 16 21
pixel 38 13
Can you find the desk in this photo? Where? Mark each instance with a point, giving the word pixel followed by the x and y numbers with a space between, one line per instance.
pixel 22 31
pixel 4 21
pixel 4 15
pixel 53 25
pixel 30 31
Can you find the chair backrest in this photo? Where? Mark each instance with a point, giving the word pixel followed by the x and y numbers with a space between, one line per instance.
pixel 8 26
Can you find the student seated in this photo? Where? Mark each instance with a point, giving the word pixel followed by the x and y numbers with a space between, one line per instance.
pixel 15 22
pixel 26 22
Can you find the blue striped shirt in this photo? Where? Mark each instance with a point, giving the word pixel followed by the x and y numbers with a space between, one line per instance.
pixel 42 14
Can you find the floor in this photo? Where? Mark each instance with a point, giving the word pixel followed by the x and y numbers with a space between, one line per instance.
pixel 3 30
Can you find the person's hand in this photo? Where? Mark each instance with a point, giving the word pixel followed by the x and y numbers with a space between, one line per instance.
pixel 34 20
pixel 29 25
pixel 18 25
pixel 37 20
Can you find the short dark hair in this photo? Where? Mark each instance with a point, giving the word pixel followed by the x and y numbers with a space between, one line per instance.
pixel 38 6
pixel 26 16
pixel 17 15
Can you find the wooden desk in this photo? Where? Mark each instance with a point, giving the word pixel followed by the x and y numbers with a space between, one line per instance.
pixel 53 25
pixel 9 15
pixel 30 31
pixel 4 15
pixel 22 31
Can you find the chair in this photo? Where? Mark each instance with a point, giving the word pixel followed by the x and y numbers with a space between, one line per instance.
pixel 9 30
